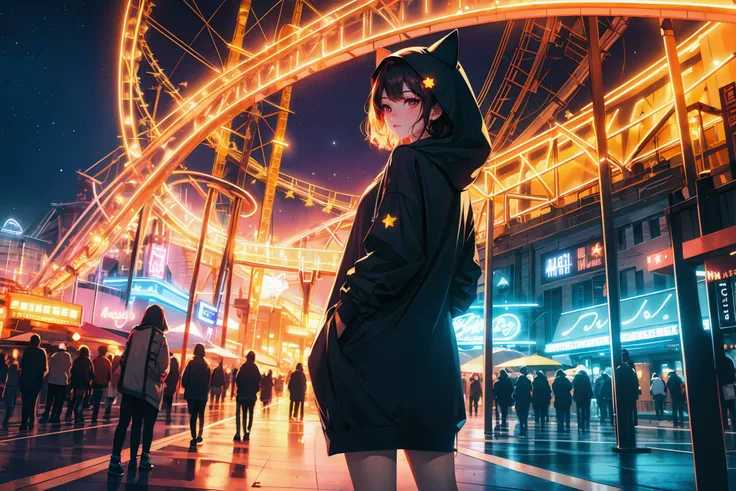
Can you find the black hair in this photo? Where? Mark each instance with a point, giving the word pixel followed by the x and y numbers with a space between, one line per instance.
pixel 199 350
pixel 35 340
pixel 155 317
pixel 251 356
pixel 391 78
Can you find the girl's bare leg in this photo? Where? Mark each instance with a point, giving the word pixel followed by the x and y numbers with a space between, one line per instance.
pixel 372 471
pixel 433 471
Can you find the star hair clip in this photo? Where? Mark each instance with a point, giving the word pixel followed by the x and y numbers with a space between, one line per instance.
pixel 428 83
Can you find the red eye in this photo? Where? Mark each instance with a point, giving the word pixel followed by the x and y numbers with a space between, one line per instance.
pixel 412 102
pixel 385 108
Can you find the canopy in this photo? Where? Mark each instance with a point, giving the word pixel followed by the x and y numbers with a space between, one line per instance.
pixel 533 361
pixel 500 355
pixel 574 371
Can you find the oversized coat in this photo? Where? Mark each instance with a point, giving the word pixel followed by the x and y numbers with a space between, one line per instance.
pixel 410 265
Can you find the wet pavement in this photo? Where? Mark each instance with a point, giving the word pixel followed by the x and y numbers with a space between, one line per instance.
pixel 285 454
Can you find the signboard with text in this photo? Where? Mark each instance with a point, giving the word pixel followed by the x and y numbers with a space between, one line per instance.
pixel 572 261
pixel 41 309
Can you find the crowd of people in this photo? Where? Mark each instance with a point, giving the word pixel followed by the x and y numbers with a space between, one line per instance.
pixel 524 391
pixel 142 379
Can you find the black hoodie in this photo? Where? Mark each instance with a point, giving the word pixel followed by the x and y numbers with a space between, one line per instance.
pixel 401 280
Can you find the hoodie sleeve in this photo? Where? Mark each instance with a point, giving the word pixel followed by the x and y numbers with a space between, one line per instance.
pixel 464 286
pixel 394 244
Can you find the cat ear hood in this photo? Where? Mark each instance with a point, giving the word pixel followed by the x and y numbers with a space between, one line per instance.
pixel 462 154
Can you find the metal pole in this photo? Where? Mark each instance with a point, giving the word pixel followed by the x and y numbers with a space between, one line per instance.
pixel 226 263
pixel 624 436
pixel 139 233
pixel 704 409
pixel 488 323
pixel 678 92
pixel 211 195
pixel 97 289
pixel 703 143
pixel 238 204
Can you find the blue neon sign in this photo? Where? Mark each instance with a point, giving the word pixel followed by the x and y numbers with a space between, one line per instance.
pixel 206 313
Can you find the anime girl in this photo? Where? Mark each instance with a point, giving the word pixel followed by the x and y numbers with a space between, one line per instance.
pixel 409 266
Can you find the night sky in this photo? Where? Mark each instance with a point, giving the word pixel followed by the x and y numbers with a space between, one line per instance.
pixel 58 110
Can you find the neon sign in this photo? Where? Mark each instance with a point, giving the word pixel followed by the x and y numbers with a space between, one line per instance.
pixel 626 337
pixel 206 313
pixel 30 307
pixel 558 266
pixel 12 227
pixel 157 261
pixel 469 328
pixel 572 261
pixel 119 318
pixel 724 299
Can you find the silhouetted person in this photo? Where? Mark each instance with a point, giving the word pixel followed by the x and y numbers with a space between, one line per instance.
pixel 196 382
pixel 171 384
pixel 248 382
pixel 522 399
pixel 606 398
pixel 82 375
pixel 503 392
pixel 582 394
pixel 267 388
pixel 103 375
pixel 541 397
pixel 233 384
pixel 3 374
pixel 561 387
pixel 10 396
pixel 60 366
pixel 297 391
pixel 476 392
pixel 627 392
pixel 218 384
pixel 677 393
pixel 143 369
pixel 658 389
pixel 33 367
pixel 278 386
pixel 112 390
pixel 597 386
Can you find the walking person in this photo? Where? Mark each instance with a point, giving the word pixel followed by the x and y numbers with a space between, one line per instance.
pixel 541 397
pixel 218 384
pixel 297 391
pixel 627 392
pixel 562 387
pixel 267 388
pixel 3 374
pixel 597 386
pixel 476 392
pixel 248 382
pixel 503 392
pixel 727 391
pixel 233 384
pixel 582 394
pixel 522 399
pixel 678 395
pixel 658 389
pixel 82 375
pixel 10 396
pixel 143 369
pixel 606 399
pixel 33 367
pixel 196 382
pixel 278 386
pixel 60 366
pixel 103 376
pixel 112 388
pixel 171 385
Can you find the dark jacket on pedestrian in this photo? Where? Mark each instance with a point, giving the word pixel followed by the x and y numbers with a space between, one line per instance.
pixel 523 391
pixel 476 389
pixel 33 367
pixel 541 391
pixel 60 365
pixel 266 388
pixel 606 387
pixel 503 390
pixel 598 387
pixel 83 372
pixel 13 376
pixel 172 378
pixel 582 388
pixel 297 386
pixel 248 382
pixel 676 387
pixel 561 387
pixel 146 359
pixel 627 387
pixel 196 379
pixel 218 377
pixel 3 373
pixel 409 266
pixel 103 371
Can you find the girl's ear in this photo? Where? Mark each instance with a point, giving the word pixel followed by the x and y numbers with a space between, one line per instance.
pixel 436 112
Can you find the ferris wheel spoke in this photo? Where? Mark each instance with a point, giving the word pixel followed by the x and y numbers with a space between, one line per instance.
pixel 188 49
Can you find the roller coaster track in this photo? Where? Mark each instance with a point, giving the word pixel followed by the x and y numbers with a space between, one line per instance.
pixel 351 30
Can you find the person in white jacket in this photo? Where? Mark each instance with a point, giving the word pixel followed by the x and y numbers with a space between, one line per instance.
pixel 144 365
pixel 60 365
pixel 658 390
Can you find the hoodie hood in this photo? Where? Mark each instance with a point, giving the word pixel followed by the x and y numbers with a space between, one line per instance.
pixel 155 317
pixel 463 153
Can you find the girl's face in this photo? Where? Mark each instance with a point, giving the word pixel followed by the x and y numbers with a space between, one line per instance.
pixel 403 117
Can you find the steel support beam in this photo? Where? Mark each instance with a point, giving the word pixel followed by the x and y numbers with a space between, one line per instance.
pixel 488 323
pixel 140 232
